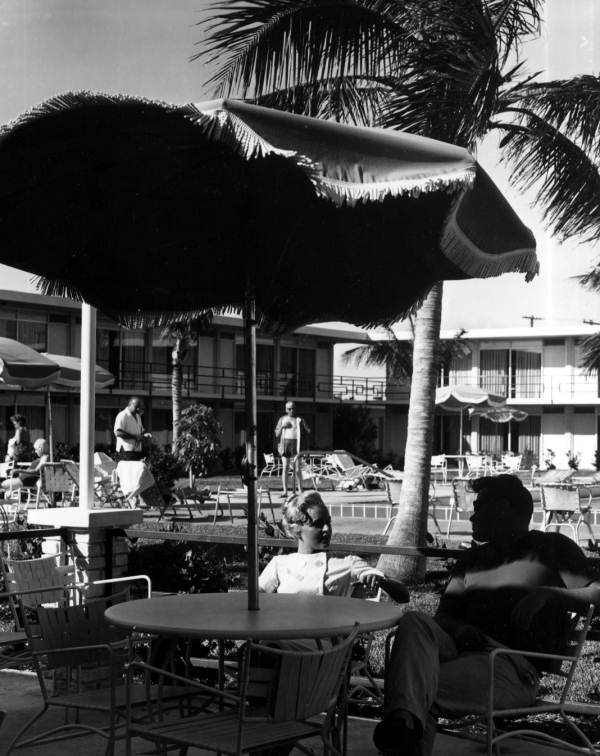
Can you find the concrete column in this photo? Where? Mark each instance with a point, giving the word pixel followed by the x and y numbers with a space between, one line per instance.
pixel 87 417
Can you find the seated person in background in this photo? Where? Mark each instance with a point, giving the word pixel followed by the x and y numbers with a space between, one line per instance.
pixel 30 475
pixel 513 589
pixel 310 570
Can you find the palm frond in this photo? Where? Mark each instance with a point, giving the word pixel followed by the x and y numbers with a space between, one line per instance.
pixel 349 99
pixel 393 354
pixel 272 45
pixel 571 105
pixel 591 280
pixel 565 180
pixel 450 79
pixel 591 353
pixel 513 22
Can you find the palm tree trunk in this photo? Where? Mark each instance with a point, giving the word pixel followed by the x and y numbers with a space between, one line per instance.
pixel 410 526
pixel 176 383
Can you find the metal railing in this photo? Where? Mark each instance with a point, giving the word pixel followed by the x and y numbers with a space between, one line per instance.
pixel 229 383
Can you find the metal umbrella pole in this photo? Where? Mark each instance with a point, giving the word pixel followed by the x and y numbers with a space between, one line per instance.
pixel 249 472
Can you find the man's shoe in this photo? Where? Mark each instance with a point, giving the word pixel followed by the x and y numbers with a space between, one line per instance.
pixel 393 737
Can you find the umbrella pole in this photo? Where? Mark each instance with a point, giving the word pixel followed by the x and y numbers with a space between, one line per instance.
pixel 50 428
pixel 251 422
pixel 88 407
pixel 460 441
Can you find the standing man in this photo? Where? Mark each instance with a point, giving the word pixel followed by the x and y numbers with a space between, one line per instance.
pixel 288 435
pixel 129 432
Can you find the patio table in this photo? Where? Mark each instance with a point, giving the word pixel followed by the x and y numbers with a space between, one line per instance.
pixel 225 616
pixel 281 616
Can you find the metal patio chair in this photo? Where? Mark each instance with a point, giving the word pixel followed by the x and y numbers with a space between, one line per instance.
pixel 439 466
pixel 272 466
pixel 240 495
pixel 462 500
pixel 56 481
pixel 567 505
pixel 285 696
pixel 393 488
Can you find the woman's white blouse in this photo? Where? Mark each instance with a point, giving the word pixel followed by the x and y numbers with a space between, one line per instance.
pixel 315 574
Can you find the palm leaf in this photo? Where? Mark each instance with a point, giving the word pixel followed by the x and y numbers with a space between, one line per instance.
pixel 349 99
pixel 591 353
pixel 272 45
pixel 564 178
pixel 571 105
pixel 514 20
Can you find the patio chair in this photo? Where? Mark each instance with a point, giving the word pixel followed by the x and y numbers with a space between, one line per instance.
pixel 461 500
pixel 188 498
pixel 18 492
pixel 231 495
pixel 439 466
pixel 393 488
pixel 510 462
pixel 349 470
pixel 85 658
pixel 542 477
pixel 272 466
pixel 564 664
pixel 567 505
pixel 285 696
pixel 56 482
pixel 479 465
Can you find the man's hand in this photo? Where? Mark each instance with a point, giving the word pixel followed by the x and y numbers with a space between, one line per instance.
pixel 526 608
pixel 469 638
pixel 371 579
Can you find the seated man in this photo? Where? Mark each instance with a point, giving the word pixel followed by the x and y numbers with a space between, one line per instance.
pixel 513 589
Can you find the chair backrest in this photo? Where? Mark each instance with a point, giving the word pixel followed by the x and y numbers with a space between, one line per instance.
pixel 462 494
pixel 69 627
pixel 55 479
pixel 296 685
pixel 560 498
pixel 475 462
pixel 438 462
pixel 72 471
pixel 33 574
pixel 269 459
pixel 512 461
pixel 342 460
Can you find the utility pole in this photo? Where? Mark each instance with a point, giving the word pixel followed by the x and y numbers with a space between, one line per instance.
pixel 531 319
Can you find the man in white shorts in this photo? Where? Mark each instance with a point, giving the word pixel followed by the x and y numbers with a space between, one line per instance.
pixel 288 434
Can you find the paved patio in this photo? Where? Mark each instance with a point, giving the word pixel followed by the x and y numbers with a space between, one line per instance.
pixel 20 696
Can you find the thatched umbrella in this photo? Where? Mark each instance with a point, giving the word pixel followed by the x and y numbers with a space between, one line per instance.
pixel 152 212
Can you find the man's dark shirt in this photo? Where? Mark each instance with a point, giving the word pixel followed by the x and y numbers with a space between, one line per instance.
pixel 494 582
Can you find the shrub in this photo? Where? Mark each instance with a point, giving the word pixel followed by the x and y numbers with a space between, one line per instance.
pixel 199 438
pixel 178 567
pixel 165 467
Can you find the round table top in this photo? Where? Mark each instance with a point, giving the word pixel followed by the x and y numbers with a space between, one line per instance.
pixel 226 616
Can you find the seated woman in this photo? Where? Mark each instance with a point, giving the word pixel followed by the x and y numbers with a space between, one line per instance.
pixel 311 570
pixel 29 476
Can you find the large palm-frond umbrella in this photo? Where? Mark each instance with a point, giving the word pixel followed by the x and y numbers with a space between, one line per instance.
pixel 150 211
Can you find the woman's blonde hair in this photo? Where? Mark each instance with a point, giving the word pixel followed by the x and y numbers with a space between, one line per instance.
pixel 295 510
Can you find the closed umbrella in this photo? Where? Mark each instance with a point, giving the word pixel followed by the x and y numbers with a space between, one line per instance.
pixel 457 398
pixel 175 209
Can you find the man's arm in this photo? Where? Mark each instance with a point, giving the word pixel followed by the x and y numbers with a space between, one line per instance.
pixel 304 425
pixel 450 616
pixel 579 589
pixel 121 432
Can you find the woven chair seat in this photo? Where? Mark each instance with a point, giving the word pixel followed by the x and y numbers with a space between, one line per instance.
pixel 99 699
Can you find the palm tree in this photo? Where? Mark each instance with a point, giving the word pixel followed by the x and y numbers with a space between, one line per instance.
pixel 182 335
pixel 448 69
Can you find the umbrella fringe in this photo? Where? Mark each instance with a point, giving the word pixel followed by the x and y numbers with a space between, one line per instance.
pixel 476 263
pixel 223 126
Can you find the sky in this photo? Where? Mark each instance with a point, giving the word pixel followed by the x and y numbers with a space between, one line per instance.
pixel 143 47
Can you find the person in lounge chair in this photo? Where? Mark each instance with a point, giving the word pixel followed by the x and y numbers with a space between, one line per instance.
pixel 30 475
pixel 288 434
pixel 513 589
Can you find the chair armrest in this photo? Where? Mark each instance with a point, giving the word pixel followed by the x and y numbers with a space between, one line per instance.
pixel 125 579
pixel 143 666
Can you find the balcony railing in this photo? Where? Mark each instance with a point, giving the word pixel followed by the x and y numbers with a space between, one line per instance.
pixel 153 378
pixel 558 385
